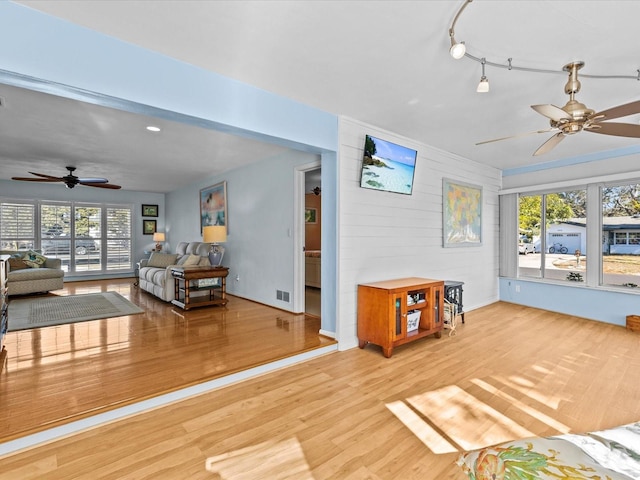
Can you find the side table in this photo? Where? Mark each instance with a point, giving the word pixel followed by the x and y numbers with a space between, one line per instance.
pixel 185 283
pixel 453 294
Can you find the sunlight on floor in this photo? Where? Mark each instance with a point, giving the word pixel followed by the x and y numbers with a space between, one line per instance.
pixel 562 428
pixel 450 419
pixel 284 459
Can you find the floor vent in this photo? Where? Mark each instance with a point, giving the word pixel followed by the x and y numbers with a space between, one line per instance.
pixel 284 296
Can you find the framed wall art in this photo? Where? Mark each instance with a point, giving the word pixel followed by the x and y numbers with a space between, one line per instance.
pixel 311 215
pixel 149 210
pixel 461 214
pixel 149 227
pixel 213 205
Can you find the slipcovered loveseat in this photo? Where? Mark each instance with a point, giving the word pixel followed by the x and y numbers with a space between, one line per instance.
pixel 31 272
pixel 155 272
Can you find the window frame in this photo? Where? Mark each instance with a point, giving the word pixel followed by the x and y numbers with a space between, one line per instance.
pixel 69 258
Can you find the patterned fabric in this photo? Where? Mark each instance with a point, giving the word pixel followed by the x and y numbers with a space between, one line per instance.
pixel 161 260
pixel 34 259
pixel 606 455
pixel 17 264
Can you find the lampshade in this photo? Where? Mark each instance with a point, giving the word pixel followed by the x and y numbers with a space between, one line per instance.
pixel 158 237
pixel 214 234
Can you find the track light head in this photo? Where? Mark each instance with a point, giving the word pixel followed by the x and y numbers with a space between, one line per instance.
pixel 483 86
pixel 457 50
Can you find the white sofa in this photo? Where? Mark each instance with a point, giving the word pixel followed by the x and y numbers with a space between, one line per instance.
pixel 155 272
pixel 24 280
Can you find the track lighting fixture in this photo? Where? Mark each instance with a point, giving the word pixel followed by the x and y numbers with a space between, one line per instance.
pixel 483 86
pixel 459 50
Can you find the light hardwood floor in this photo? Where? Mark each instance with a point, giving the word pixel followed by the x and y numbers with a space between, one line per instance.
pixel 510 372
pixel 59 374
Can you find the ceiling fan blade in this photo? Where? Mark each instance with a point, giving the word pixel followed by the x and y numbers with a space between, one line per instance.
pixel 31 179
pixel 549 144
pixel 46 176
pixel 552 112
pixel 100 185
pixel 518 135
pixel 617 112
pixel 617 129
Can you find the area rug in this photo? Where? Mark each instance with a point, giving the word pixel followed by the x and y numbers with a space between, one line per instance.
pixel 25 313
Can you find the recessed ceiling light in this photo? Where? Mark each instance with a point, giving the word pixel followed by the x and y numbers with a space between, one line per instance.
pixel 151 128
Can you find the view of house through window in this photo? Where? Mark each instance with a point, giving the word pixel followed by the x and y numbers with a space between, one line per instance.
pixel 86 237
pixel 621 235
pixel 552 238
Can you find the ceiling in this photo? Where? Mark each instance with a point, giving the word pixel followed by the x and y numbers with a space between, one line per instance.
pixel 385 63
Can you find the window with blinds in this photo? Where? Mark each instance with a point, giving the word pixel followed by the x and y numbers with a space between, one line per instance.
pixel 88 238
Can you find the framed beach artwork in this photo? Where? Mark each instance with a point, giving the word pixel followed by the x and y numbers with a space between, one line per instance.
pixel 461 214
pixel 213 205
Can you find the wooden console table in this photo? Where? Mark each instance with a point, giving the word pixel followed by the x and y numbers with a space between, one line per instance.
pixel 187 281
pixel 395 312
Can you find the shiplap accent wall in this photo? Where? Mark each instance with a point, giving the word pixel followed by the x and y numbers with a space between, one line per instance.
pixel 385 235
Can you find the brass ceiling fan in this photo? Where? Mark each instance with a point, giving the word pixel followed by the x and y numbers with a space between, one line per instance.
pixel 70 180
pixel 575 117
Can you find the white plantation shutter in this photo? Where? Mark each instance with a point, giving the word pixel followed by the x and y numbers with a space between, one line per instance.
pixel 17 224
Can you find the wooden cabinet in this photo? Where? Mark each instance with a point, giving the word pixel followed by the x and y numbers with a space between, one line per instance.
pixel 4 307
pixel 387 310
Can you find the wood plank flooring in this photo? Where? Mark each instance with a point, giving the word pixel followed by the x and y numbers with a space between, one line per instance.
pixel 59 374
pixel 511 371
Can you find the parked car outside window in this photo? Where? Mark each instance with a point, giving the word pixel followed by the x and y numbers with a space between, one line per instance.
pixel 525 248
pixel 58 246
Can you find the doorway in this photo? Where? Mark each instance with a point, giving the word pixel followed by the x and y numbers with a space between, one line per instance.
pixel 312 243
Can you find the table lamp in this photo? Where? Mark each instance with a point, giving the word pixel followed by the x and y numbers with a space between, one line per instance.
pixel 214 234
pixel 158 237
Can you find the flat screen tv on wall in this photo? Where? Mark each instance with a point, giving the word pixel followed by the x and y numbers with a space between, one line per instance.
pixel 387 166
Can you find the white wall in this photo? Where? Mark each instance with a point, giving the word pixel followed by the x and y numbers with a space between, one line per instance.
pixel 261 228
pixel 385 235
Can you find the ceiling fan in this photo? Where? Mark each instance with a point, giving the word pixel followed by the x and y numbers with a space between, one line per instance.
pixel 575 117
pixel 69 180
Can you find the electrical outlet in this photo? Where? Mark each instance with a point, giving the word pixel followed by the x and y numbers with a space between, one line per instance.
pixel 517 288
pixel 237 278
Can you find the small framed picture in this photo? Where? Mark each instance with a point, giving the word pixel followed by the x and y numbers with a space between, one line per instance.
pixel 148 227
pixel 149 210
pixel 310 215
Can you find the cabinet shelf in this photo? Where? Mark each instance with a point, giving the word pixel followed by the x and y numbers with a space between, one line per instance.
pixel 383 309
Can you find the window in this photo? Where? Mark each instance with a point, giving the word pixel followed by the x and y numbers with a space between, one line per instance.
pixel 88 238
pixel 552 235
pixel 17 226
pixel 621 235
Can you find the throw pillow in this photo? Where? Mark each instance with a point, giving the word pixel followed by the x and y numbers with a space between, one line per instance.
pixel 204 261
pixel 34 259
pixel 192 260
pixel 17 264
pixel 161 260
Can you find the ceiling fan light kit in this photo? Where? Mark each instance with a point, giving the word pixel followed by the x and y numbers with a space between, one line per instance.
pixel 574 116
